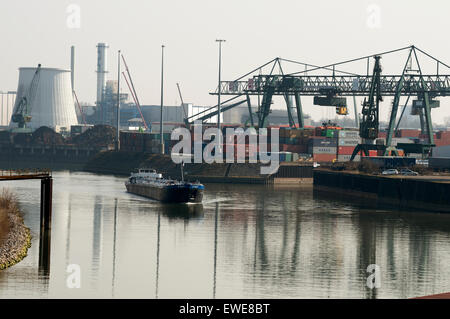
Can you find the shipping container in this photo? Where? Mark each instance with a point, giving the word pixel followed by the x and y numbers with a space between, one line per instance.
pixel 441 151
pixel 322 141
pixel 345 150
pixel 324 158
pixel 382 134
pixel 348 134
pixel 346 158
pixel 330 133
pixel 323 150
pixel 441 163
pixel 348 141
pixel 408 133
pixel 294 148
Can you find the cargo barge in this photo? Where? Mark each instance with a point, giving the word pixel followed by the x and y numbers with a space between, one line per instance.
pixel 150 184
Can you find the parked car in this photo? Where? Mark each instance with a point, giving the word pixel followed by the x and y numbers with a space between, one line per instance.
pixel 390 172
pixel 408 172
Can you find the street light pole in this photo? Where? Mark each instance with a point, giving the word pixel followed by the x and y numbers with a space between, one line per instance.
pixel 218 96
pixel 118 104
pixel 162 100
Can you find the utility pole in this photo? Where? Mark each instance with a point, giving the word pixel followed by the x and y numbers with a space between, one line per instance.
pixel 162 100
pixel 218 96
pixel 118 103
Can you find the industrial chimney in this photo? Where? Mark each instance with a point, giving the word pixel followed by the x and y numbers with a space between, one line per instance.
pixel 72 67
pixel 101 71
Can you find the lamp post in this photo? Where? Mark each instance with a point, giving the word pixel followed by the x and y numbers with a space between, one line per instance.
pixel 218 96
pixel 118 103
pixel 162 100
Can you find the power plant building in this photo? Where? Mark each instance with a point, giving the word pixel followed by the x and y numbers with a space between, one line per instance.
pixel 52 104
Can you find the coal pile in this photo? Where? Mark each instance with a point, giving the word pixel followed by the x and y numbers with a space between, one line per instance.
pixel 97 136
pixel 23 138
pixel 46 136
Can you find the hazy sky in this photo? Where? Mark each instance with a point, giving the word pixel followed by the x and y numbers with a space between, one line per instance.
pixel 319 32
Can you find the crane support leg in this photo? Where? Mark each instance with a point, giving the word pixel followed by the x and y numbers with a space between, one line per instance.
pixel 401 115
pixel 298 105
pixel 265 106
pixel 250 110
pixel 289 110
pixel 422 121
pixel 394 112
pixel 356 112
pixel 429 124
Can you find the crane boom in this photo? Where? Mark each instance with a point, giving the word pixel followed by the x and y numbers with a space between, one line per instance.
pixel 182 106
pixel 133 91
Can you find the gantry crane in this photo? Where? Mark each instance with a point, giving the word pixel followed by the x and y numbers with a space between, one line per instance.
pixel 21 114
pixel 332 90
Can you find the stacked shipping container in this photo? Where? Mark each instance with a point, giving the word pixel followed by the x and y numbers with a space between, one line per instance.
pixel 347 142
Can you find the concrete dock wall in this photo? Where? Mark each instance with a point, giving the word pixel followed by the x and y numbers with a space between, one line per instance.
pixel 401 192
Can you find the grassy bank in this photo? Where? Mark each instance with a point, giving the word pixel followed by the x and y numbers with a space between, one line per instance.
pixel 15 238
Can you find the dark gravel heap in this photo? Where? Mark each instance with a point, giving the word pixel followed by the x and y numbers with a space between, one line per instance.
pixel 46 136
pixel 97 136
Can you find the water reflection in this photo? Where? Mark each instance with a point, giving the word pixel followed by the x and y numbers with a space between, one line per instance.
pixel 244 241
pixel 114 248
pixel 157 253
pixel 216 217
pixel 182 211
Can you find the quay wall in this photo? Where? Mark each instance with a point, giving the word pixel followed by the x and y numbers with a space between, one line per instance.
pixel 401 192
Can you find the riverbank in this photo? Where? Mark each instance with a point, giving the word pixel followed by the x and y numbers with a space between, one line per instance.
pixel 15 238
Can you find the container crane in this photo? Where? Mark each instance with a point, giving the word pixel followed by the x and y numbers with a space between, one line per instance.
pixel 369 126
pixel 22 112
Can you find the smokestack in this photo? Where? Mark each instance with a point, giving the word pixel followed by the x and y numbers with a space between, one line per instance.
pixel 72 67
pixel 101 71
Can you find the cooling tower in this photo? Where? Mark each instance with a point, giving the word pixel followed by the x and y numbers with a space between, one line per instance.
pixel 52 104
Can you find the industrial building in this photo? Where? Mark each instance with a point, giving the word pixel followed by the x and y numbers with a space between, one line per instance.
pixel 7 100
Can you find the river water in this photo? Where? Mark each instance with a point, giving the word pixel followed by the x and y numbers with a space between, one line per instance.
pixel 242 242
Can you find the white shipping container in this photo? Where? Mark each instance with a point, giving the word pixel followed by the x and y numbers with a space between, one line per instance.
pixel 349 141
pixel 323 150
pixel 346 158
pixel 348 134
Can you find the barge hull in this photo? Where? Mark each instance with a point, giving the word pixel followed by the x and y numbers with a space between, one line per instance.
pixel 167 195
